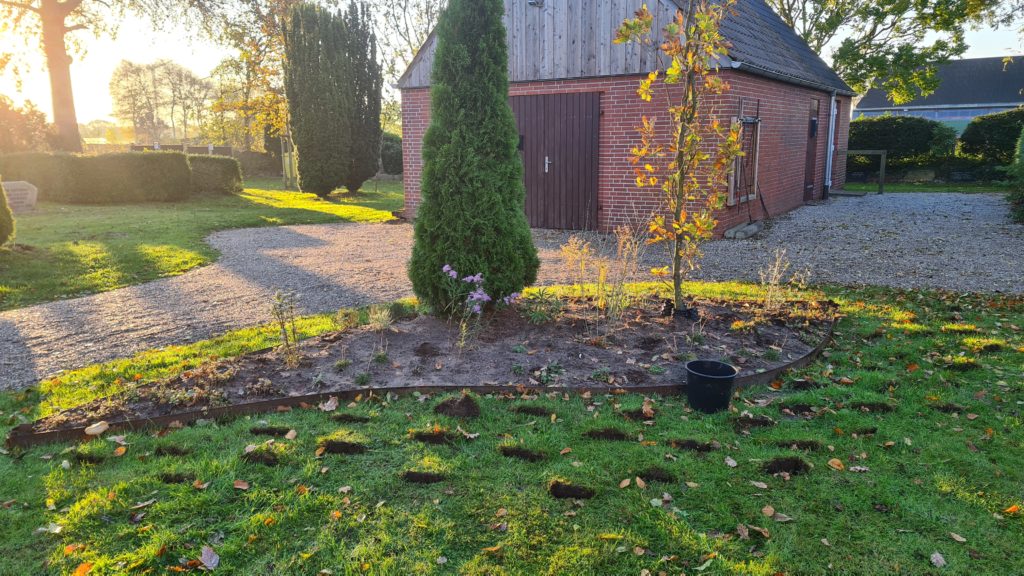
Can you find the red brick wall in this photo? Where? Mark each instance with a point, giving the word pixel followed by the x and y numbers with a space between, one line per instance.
pixel 784 123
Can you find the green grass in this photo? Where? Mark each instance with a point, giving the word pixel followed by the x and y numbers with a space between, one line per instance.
pixel 68 250
pixel 930 473
pixel 957 187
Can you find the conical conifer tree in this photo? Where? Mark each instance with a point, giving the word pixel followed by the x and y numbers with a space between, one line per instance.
pixel 472 216
pixel 319 102
pixel 366 82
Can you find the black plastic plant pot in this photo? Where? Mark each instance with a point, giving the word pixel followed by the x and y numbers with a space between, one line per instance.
pixel 709 385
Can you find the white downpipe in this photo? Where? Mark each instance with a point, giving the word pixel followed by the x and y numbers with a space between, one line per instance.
pixel 833 113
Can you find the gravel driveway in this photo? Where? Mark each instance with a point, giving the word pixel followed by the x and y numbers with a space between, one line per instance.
pixel 954 241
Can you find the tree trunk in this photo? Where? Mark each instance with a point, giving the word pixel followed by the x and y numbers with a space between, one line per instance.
pixel 58 62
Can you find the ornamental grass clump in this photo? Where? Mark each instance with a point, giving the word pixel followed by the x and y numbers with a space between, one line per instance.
pixel 472 215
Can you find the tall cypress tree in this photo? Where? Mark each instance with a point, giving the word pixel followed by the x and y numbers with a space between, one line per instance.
pixel 472 215
pixel 366 82
pixel 319 101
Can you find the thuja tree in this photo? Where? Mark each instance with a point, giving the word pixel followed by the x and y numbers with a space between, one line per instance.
pixel 472 215
pixel 693 167
pixel 319 102
pixel 365 83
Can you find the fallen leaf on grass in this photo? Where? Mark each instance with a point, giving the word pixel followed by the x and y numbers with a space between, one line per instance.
pixel 836 464
pixel 200 485
pixel 768 511
pixel 97 428
pixel 760 485
pixel 640 483
pixel 119 451
pixel 83 569
pixel 145 504
pixel 501 512
pixel 492 549
pixel 730 462
pixel 744 534
pixel 826 542
pixel 209 558
pixel 331 405
pixel 957 537
pixel 467 435
pixel 860 469
pixel 1012 509
pixel 937 560
pixel 291 435
pixel 565 451
pixel 301 490
pixel 781 518
pixel 241 485
pixel 624 483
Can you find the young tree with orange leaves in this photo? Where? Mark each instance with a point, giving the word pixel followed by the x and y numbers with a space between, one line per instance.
pixel 694 167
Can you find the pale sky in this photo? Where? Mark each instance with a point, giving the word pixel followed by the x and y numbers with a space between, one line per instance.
pixel 139 43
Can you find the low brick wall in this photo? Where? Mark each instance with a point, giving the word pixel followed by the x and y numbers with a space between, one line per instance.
pixel 21 196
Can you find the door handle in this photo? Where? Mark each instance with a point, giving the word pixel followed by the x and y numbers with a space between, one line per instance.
pixel 547 163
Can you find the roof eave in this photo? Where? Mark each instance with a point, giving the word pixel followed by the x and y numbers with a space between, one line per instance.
pixel 843 90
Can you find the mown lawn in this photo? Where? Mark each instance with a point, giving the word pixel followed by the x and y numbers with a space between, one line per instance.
pixel 70 250
pixel 956 187
pixel 939 480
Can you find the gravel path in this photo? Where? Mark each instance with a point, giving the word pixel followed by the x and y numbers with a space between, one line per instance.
pixel 955 241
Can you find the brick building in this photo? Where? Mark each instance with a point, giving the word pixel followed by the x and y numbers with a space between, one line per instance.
pixel 573 93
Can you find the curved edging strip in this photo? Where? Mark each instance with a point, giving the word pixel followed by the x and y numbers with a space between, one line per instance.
pixel 23 437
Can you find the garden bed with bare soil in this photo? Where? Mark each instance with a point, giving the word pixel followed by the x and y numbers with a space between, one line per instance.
pixel 573 348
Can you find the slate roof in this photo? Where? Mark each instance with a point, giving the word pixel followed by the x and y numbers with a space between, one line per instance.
pixel 975 81
pixel 762 43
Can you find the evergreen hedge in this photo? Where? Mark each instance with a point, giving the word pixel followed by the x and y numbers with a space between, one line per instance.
pixel 6 220
pixel 215 175
pixel 994 136
pixel 902 136
pixel 1016 173
pixel 366 83
pixel 472 216
pixel 120 178
pixel 391 153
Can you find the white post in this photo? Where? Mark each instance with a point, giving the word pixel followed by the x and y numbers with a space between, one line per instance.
pixel 833 113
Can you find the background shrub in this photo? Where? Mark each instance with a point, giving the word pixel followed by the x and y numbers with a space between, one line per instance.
pixel 50 173
pixel 6 220
pixel 391 153
pixel 105 179
pixel 1016 173
pixel 260 163
pixel 902 136
pixel 994 136
pixel 215 174
pixel 128 177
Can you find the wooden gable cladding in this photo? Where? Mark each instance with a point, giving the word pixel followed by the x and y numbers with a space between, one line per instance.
pixel 563 39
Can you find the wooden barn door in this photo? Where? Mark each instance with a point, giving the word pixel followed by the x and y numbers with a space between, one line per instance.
pixel 559 135
pixel 811 166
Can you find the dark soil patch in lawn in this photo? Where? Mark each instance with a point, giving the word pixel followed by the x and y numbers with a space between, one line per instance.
pixel 463 407
pixel 748 422
pixel 275 431
pixel 531 410
pixel 869 431
pixel 434 436
pixel 876 407
pixel 427 350
pixel 342 447
pixel 171 450
pixel 657 474
pixel 803 384
pixel 177 478
pixel 949 408
pixel 350 418
pixel 418 357
pixel 606 434
pixel 692 445
pixel 805 445
pixel 414 477
pixel 264 457
pixel 802 410
pixel 637 415
pixel 521 453
pixel 89 458
pixel 560 489
pixel 786 465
